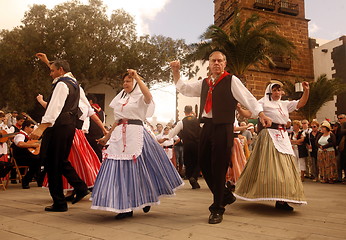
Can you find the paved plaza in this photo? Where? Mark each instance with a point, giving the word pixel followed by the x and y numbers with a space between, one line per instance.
pixel 184 216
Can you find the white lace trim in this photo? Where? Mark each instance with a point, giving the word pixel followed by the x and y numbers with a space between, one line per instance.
pixel 126 142
pixel 270 199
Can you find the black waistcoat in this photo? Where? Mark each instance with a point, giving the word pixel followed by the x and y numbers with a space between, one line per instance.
pixel 191 130
pixel 223 104
pixel 18 152
pixel 69 113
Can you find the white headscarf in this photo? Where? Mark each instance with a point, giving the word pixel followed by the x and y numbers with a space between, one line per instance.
pixel 267 99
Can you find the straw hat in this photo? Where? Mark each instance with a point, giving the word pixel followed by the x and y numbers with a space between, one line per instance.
pixel 326 124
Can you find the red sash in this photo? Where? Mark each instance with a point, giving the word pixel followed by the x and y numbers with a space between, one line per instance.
pixel 209 101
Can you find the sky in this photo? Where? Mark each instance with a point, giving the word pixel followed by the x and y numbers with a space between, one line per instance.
pixel 184 19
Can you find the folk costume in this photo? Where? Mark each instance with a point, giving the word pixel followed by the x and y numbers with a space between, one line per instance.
pixel 218 103
pixel 137 170
pixel 82 157
pixel 189 130
pixel 24 157
pixel 271 172
pixel 5 165
pixel 61 113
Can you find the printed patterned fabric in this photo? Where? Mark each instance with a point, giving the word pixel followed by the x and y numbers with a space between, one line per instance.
pixel 326 161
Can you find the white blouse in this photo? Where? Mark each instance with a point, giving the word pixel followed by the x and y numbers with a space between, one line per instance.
pixel 126 141
pixel 279 111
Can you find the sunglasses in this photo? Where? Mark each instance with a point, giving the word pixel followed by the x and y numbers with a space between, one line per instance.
pixel 31 126
pixel 340 118
pixel 314 126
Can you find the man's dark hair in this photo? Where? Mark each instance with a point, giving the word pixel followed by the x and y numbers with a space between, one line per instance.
pixel 92 97
pixel 188 109
pixel 62 64
pixel 27 123
pixel 20 117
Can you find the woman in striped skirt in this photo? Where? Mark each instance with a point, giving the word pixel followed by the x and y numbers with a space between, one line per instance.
pixel 137 170
pixel 271 172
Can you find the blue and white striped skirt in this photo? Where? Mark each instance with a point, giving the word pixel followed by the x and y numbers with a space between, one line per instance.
pixel 126 185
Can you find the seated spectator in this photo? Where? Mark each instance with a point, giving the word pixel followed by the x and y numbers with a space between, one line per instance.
pixel 4 131
pixel 18 125
pixel 11 120
pixel 23 153
pixel 5 168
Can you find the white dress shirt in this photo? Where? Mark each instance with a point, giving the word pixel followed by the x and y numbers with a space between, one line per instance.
pixel 239 91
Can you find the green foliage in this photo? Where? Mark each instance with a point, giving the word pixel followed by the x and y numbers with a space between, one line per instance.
pixel 250 43
pixel 321 91
pixel 99 49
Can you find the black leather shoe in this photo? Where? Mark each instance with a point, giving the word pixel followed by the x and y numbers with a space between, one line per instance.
pixel 283 206
pixel 230 186
pixel 55 209
pixel 194 183
pixel 124 215
pixel 146 209
pixel 228 198
pixel 25 186
pixel 80 196
pixel 70 198
pixel 215 218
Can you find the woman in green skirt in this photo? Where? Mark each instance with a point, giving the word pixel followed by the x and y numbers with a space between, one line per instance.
pixel 271 172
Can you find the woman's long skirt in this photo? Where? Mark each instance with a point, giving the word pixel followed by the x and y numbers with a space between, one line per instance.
pixel 125 185
pixel 270 175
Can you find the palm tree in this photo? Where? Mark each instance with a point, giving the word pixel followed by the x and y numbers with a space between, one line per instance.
pixel 321 91
pixel 247 44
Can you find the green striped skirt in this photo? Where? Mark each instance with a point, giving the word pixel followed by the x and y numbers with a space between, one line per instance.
pixel 270 175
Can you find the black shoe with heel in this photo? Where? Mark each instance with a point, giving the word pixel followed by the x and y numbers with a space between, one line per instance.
pixel 146 209
pixel 80 196
pixel 54 208
pixel 283 206
pixel 124 215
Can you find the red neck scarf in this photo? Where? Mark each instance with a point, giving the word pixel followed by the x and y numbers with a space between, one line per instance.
pixel 209 101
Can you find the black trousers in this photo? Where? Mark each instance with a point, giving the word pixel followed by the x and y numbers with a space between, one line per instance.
pixel 215 154
pixel 55 148
pixel 34 163
pixel 191 160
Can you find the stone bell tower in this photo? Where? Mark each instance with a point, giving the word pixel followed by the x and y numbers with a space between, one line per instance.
pixel 290 14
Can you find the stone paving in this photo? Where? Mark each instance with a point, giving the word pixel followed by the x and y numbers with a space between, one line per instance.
pixel 183 216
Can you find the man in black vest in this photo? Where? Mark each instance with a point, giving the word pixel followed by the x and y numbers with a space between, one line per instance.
pixel 189 130
pixel 58 128
pixel 219 94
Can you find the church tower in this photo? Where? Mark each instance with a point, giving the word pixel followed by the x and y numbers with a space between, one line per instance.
pixel 290 14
